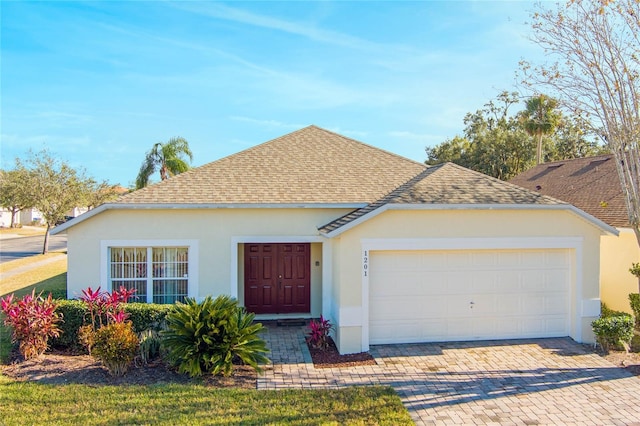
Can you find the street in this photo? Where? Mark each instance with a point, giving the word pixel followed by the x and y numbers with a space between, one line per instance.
pixel 16 248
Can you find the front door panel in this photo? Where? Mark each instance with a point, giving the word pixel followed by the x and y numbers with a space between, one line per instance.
pixel 277 278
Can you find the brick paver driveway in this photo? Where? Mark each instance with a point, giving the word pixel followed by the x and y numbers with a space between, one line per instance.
pixel 521 382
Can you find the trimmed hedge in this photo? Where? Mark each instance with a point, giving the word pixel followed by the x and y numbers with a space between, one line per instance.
pixel 144 316
pixel 614 332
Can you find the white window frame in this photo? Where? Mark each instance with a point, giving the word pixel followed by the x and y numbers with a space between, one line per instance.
pixel 191 245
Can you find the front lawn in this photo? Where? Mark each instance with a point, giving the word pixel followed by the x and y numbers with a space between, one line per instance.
pixel 32 403
pixel 49 277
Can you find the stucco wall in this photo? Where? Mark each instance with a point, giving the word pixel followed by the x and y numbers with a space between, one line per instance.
pixel 616 282
pixel 463 224
pixel 214 230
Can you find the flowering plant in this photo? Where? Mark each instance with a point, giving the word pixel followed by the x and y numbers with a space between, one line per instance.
pixel 33 320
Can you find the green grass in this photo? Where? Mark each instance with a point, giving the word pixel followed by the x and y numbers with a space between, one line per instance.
pixel 31 403
pixel 5 342
pixel 51 277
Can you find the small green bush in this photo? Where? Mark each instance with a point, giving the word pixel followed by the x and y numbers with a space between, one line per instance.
pixel 150 343
pixel 634 302
pixel 614 332
pixel 606 312
pixel 116 345
pixel 209 336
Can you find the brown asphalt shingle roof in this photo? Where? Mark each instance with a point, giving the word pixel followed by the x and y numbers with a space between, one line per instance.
pixel 309 166
pixel 449 183
pixel 592 184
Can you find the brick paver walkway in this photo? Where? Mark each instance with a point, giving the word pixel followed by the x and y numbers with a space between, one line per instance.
pixel 523 382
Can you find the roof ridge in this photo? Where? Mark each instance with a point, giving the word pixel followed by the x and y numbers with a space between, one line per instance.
pixel 365 144
pixel 591 158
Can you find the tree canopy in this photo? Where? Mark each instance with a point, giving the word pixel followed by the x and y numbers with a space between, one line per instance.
pixel 502 144
pixel 13 196
pixel 594 68
pixel 168 158
pixel 52 187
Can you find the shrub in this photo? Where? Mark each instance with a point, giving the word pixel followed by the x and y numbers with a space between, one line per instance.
pixel 209 336
pixel 116 345
pixel 319 333
pixel 614 331
pixel 142 316
pixel 33 320
pixel 147 316
pixel 150 343
pixel 73 313
pixel 634 302
pixel 635 269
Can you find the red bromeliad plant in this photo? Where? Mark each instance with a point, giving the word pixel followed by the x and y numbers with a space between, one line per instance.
pixel 319 333
pixel 33 320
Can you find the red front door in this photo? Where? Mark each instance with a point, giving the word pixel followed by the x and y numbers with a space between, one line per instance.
pixel 277 278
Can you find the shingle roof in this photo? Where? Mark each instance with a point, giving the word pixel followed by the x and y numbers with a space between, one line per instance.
pixel 592 184
pixel 311 165
pixel 449 183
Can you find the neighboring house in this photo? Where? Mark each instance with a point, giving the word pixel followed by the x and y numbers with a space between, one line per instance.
pixel 388 249
pixel 5 217
pixel 593 185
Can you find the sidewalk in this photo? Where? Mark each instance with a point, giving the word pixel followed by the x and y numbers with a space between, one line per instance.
pixel 31 231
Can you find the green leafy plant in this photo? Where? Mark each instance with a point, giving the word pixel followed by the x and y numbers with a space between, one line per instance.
pixel 635 270
pixel 150 343
pixel 116 346
pixel 211 335
pixel 614 331
pixel 33 320
pixel 319 333
pixel 634 302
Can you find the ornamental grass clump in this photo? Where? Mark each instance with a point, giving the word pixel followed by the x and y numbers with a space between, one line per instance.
pixel 207 337
pixel 33 320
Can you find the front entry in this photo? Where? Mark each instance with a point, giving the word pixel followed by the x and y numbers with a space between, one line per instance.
pixel 277 278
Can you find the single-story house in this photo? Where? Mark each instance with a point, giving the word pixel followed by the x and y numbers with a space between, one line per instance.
pixel 388 249
pixel 592 184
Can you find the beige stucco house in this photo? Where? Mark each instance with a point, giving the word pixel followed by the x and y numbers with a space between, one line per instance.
pixel 592 184
pixel 390 250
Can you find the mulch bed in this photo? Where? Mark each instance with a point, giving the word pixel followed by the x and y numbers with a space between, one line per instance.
pixel 331 358
pixel 61 368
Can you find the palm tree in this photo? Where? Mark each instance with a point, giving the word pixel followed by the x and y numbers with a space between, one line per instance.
pixel 541 118
pixel 167 157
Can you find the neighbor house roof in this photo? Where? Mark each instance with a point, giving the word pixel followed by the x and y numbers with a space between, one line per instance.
pixel 448 184
pixel 309 166
pixel 591 184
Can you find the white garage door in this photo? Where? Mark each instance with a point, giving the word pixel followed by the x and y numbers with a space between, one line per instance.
pixel 431 296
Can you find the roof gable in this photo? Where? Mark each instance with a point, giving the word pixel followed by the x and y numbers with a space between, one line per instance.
pixel 592 184
pixel 309 166
pixel 448 184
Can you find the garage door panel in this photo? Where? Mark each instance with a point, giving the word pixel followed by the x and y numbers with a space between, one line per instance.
pixel 468 295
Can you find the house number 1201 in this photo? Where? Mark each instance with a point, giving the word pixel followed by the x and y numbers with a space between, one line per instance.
pixel 365 263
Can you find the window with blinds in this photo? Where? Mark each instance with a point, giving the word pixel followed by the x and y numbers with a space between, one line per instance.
pixel 158 274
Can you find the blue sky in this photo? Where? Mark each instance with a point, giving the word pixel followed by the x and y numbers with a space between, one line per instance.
pixel 98 83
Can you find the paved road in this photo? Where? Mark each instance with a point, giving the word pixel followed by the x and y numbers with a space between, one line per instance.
pixel 16 248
